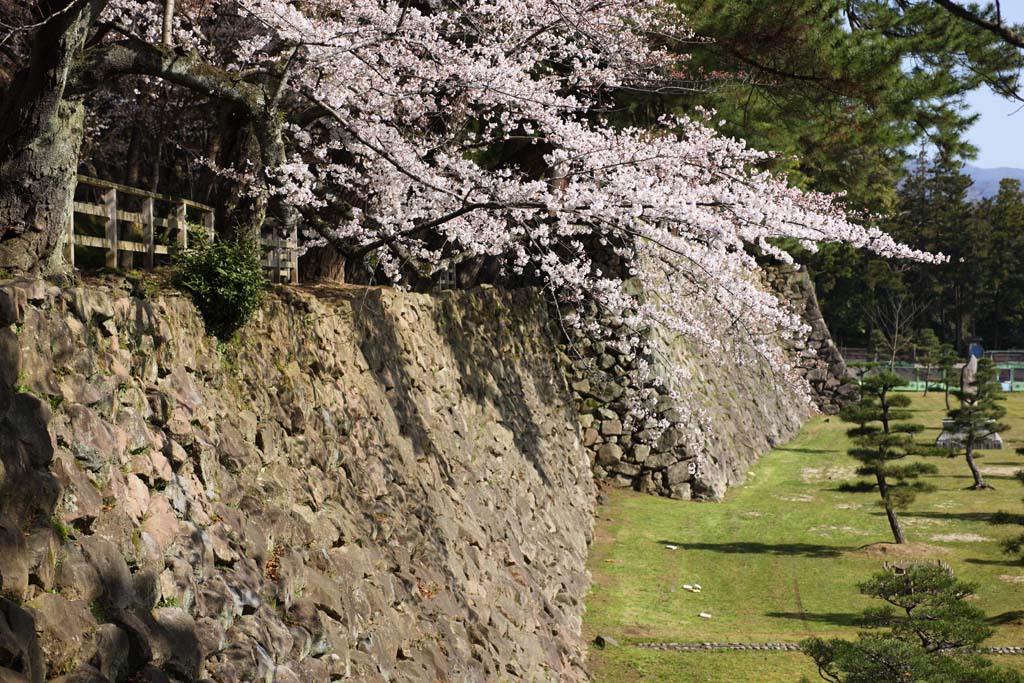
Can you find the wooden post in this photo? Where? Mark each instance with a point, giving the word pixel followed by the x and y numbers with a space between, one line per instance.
pixel 181 225
pixel 293 255
pixel 275 258
pixel 208 224
pixel 147 233
pixel 110 207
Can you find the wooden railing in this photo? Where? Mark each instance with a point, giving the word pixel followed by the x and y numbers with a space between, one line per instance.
pixel 280 253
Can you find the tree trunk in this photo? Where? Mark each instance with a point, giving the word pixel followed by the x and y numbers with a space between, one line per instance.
pixel 40 140
pixel 134 157
pixel 894 524
pixel 979 481
pixel 322 264
pixel 890 513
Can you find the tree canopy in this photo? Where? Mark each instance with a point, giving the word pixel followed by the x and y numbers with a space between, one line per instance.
pixel 882 441
pixel 414 136
pixel 927 633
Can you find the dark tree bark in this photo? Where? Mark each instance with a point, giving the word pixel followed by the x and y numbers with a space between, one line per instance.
pixel 890 512
pixel 238 214
pixel 134 157
pixel 979 481
pixel 40 139
pixel 322 264
pixel 261 120
pixel 41 125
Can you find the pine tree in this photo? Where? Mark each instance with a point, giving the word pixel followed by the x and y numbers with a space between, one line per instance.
pixel 928 633
pixel 947 368
pixel 929 350
pixel 1001 289
pixel 882 439
pixel 978 416
pixel 944 225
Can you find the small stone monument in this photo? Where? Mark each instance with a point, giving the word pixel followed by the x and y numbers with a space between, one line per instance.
pixel 952 439
pixel 968 373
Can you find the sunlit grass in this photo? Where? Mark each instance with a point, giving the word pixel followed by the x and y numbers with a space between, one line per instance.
pixel 779 560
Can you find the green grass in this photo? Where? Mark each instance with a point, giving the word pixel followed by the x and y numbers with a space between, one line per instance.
pixel 636 664
pixel 779 560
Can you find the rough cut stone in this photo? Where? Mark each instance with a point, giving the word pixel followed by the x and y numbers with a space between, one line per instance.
pixel 391 487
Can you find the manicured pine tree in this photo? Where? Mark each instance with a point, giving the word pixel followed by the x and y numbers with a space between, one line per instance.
pixel 929 350
pixel 947 367
pixel 978 416
pixel 882 440
pixel 927 633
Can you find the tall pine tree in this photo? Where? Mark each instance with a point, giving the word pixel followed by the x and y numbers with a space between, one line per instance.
pixel 882 441
pixel 978 416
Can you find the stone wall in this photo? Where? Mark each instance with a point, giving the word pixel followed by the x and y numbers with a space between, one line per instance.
pixel 747 408
pixel 818 358
pixel 367 486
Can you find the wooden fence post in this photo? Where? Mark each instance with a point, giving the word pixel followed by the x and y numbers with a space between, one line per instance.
pixel 181 225
pixel 147 232
pixel 294 255
pixel 208 224
pixel 275 254
pixel 110 207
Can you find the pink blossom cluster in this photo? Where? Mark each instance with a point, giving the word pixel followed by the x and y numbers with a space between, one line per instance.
pixel 397 103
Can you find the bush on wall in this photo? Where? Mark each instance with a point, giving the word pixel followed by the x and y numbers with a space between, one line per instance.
pixel 225 280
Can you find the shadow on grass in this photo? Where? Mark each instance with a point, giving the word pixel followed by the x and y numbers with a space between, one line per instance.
pixel 811 450
pixel 997 563
pixel 856 486
pixel 752 548
pixel 834 618
pixel 1014 617
pixel 987 475
pixel 990 517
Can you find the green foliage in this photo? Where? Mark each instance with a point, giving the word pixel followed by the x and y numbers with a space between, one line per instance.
pixel 947 369
pixel 225 280
pixel 979 413
pixel 882 440
pixel 168 601
pixel 61 529
pixel 786 532
pixel 929 350
pixel 980 291
pixel 99 610
pixel 1000 293
pixel 927 633
pixel 841 88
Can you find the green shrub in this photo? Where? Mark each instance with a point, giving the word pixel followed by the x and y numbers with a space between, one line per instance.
pixel 225 280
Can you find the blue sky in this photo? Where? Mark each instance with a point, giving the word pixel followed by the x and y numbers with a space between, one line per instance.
pixel 999 133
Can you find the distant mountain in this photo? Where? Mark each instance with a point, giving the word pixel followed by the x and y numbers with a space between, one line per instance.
pixel 986 180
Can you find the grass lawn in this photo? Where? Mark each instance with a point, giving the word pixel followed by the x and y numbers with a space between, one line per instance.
pixel 779 560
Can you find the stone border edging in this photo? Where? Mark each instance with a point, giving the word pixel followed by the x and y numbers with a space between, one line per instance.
pixel 783 647
pixel 684 647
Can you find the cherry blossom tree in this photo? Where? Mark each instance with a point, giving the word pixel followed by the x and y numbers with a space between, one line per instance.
pixel 382 128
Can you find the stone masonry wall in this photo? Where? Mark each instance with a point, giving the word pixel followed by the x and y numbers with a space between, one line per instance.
pixel 748 409
pixel 818 358
pixel 367 486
